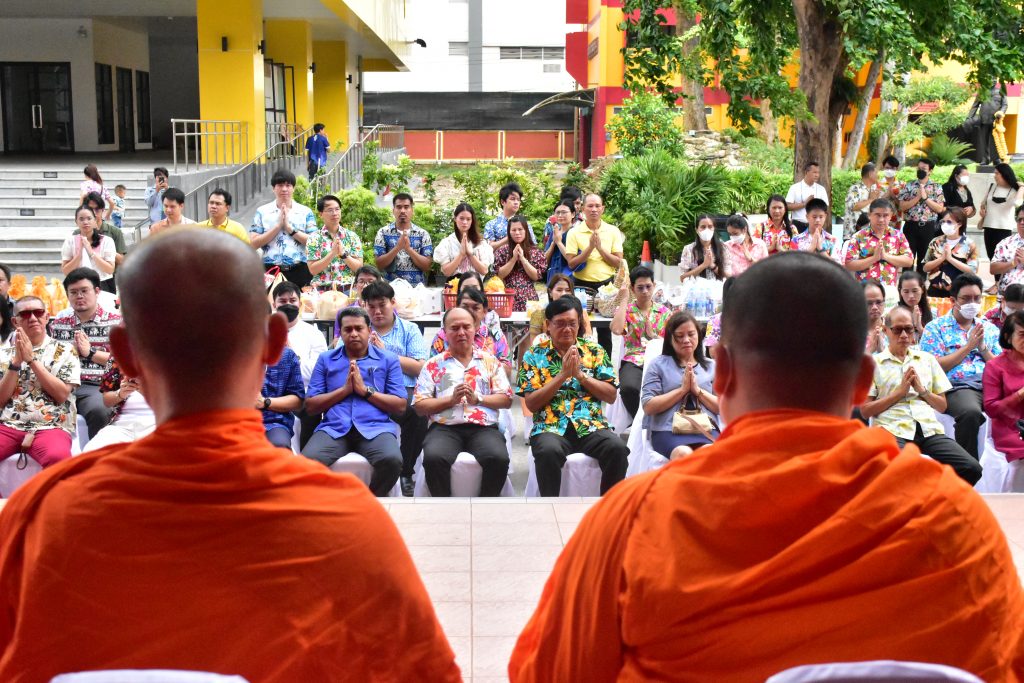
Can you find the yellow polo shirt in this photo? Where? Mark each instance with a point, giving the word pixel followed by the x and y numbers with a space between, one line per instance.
pixel 597 269
pixel 231 227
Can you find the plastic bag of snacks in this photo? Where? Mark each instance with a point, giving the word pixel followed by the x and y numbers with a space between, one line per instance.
pixel 330 302
pixel 408 303
pixel 308 303
pixel 607 300
pixel 58 297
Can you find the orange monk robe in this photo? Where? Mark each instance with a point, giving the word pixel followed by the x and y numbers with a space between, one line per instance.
pixel 203 547
pixel 798 538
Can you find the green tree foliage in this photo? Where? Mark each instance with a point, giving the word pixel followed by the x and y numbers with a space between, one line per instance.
pixel 951 98
pixel 645 124
pixel 653 53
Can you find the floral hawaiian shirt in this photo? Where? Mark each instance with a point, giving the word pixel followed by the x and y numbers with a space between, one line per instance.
pixel 403 266
pixel 541 364
pixel 921 211
pixel 283 250
pixel 963 250
pixel 802 242
pixel 640 329
pixel 319 245
pixel 857 193
pixel 770 234
pixel 901 419
pixel 944 335
pixel 863 244
pixel 1005 251
pixel 496 228
pixel 489 339
pixel 713 332
pixel 97 329
pixel 443 373
pixel 31 409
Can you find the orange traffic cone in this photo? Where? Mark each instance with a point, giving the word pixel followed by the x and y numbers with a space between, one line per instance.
pixel 645 255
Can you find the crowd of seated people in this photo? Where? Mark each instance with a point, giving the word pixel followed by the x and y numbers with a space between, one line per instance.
pixel 314 400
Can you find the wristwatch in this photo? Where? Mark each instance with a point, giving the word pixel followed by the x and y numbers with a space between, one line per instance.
pixel 370 391
pixel 92 352
pixel 266 403
pixel 16 368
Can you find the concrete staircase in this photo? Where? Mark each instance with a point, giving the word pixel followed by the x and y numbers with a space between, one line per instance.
pixel 37 204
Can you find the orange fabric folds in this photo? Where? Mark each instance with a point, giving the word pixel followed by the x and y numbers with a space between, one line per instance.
pixel 797 538
pixel 202 547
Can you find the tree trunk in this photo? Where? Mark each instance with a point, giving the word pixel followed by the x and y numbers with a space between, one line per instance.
pixel 837 144
pixel 769 127
pixel 822 60
pixel 692 90
pixel 863 105
pixel 883 139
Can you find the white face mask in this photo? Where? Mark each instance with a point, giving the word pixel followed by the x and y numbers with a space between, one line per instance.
pixel 737 239
pixel 1007 310
pixel 705 235
pixel 950 229
pixel 970 311
pixel 963 179
pixel 889 173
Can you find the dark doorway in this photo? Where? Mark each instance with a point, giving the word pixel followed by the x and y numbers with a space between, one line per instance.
pixel 37 107
pixel 125 111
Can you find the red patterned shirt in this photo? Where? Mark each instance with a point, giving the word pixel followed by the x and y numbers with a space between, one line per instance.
pixel 443 373
pixel 863 244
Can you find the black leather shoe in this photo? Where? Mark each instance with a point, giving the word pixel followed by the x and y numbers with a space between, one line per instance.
pixel 408 486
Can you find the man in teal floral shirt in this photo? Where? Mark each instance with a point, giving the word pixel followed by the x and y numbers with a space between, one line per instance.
pixel 564 381
pixel 334 252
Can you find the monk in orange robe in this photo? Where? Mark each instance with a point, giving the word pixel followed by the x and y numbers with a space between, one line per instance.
pixel 201 546
pixel 799 537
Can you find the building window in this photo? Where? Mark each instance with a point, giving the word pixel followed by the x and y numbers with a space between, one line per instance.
pixel 510 53
pixel 458 49
pixel 554 53
pixel 532 53
pixel 145 126
pixel 552 68
pixel 105 104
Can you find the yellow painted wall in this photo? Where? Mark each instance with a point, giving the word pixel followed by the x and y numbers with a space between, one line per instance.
pixel 290 42
pixel 330 89
pixel 231 83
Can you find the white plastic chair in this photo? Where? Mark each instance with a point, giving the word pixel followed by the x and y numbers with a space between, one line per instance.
pixel 466 478
pixel 581 476
pixel 949 425
pixel 998 475
pixel 881 670
pixel 641 456
pixel 11 478
pixel 616 413
pixel 146 676
pixel 81 436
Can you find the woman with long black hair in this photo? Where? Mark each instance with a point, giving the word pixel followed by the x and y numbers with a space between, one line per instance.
pixel 705 257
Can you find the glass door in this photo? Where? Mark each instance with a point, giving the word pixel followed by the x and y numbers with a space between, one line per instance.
pixel 37 112
pixel 125 111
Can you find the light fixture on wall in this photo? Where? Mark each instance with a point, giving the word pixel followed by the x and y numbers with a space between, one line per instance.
pixel 312 68
pixel 82 32
pixel 419 41
pixel 349 78
pixel 261 47
pixel 223 43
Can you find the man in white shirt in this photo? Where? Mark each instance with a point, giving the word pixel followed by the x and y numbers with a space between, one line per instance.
pixel 174 206
pixel 281 229
pixel 306 341
pixel 802 192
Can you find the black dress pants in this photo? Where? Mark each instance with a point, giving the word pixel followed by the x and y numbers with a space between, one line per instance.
pixel 919 235
pixel 630 377
pixel 443 445
pixel 550 452
pixel 941 448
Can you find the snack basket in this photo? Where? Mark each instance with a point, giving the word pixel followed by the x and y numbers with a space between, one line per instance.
pixel 501 303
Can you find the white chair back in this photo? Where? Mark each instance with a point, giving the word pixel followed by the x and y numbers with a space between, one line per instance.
pixel 641 457
pixel 146 676
pixel 881 670
pixel 616 413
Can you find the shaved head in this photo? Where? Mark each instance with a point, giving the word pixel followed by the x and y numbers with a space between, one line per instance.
pixel 794 327
pixel 195 318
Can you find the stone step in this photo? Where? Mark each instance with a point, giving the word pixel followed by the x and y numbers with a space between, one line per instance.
pixel 110 179
pixel 59 211
pixel 65 221
pixel 23 198
pixel 44 253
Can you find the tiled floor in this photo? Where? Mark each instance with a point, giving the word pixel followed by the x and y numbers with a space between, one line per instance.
pixel 485 561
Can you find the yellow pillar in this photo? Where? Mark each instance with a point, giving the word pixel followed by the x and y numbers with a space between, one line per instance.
pixel 231 82
pixel 330 90
pixel 291 43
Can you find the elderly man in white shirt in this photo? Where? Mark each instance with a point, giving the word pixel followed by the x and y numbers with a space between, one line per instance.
pixel 306 341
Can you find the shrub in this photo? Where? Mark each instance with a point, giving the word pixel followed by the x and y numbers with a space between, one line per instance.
pixel 948 152
pixel 360 213
pixel 645 124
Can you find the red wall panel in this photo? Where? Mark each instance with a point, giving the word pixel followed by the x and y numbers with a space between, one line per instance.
pixel 576 11
pixel 528 144
pixel 420 144
pixel 576 56
pixel 471 145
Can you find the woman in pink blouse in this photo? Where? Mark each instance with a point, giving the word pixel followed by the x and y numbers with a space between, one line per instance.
pixel 742 250
pixel 1003 388
pixel 94 183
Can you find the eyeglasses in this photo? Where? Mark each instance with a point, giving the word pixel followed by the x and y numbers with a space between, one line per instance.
pixel 902 329
pixel 28 314
pixel 563 324
pixel 75 293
